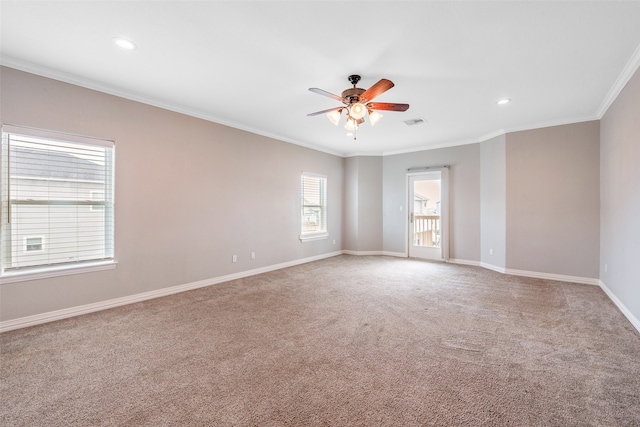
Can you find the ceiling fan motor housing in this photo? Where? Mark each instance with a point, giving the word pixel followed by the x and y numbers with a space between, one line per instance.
pixel 353 94
pixel 358 105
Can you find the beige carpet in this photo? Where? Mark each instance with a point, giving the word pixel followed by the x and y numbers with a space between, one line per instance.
pixel 346 341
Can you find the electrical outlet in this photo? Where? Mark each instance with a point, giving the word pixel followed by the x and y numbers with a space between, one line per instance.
pixel 606 267
pixel 334 241
pixel 490 251
pixel 253 255
pixel 234 258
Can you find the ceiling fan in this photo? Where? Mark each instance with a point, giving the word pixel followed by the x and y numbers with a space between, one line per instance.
pixel 357 103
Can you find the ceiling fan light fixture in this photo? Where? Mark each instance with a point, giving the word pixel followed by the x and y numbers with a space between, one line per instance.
pixel 375 117
pixel 351 124
pixel 357 102
pixel 334 116
pixel 357 110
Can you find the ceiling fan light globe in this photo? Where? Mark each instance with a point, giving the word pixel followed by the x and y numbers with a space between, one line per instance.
pixel 375 117
pixel 357 110
pixel 351 124
pixel 334 116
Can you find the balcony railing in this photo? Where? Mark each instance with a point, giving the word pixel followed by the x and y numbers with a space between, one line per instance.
pixel 426 230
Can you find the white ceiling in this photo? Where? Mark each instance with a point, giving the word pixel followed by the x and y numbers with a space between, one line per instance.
pixel 248 64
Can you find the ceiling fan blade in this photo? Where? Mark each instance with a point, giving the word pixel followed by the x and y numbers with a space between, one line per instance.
pixel 377 89
pixel 324 111
pixel 387 106
pixel 325 93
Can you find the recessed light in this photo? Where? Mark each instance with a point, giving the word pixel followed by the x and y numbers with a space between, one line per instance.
pixel 504 101
pixel 124 43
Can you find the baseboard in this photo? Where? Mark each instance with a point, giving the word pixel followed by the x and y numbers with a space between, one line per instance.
pixel 395 254
pixel 383 253
pixel 23 322
pixel 464 262
pixel 51 316
pixel 634 320
pixel 362 253
pixel 549 276
pixel 493 267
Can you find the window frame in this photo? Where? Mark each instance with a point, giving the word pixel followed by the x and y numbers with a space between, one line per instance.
pixel 105 261
pixel 323 233
pixel 26 244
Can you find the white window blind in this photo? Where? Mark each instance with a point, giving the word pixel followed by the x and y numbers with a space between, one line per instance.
pixel 57 200
pixel 314 206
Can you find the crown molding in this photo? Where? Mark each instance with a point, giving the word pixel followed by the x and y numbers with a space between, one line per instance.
pixel 630 68
pixel 551 123
pixel 110 90
pixel 627 72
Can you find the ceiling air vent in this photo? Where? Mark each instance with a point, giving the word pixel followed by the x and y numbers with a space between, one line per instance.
pixel 413 122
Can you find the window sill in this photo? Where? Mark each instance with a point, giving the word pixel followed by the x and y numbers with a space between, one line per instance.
pixel 313 236
pixel 49 272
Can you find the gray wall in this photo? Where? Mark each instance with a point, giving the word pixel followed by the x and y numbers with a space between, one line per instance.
pixel 350 203
pixel 620 197
pixel 189 195
pixel 464 202
pixel 363 204
pixel 553 220
pixel 493 202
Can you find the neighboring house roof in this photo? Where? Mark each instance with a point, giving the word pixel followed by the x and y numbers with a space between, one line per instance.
pixel 26 162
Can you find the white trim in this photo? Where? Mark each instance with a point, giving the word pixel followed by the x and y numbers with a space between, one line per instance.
pixel 627 72
pixel 524 273
pixel 634 320
pixel 464 262
pixel 487 136
pixel 395 254
pixel 99 87
pixel 443 173
pixel 23 322
pixel 323 190
pixel 552 123
pixel 51 316
pixel 78 81
pixel 49 272
pixel 362 253
pixel 313 236
pixel 493 267
pixel 493 134
pixel 57 136
pixel 550 276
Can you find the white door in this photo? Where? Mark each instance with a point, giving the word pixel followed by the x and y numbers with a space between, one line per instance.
pixel 427 216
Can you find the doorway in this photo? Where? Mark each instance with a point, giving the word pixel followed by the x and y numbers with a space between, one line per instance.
pixel 428 215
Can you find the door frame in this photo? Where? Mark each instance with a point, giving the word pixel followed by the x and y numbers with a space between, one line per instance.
pixel 444 208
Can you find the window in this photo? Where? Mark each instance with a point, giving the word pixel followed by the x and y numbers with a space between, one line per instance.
pixel 314 206
pixel 58 189
pixel 33 244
